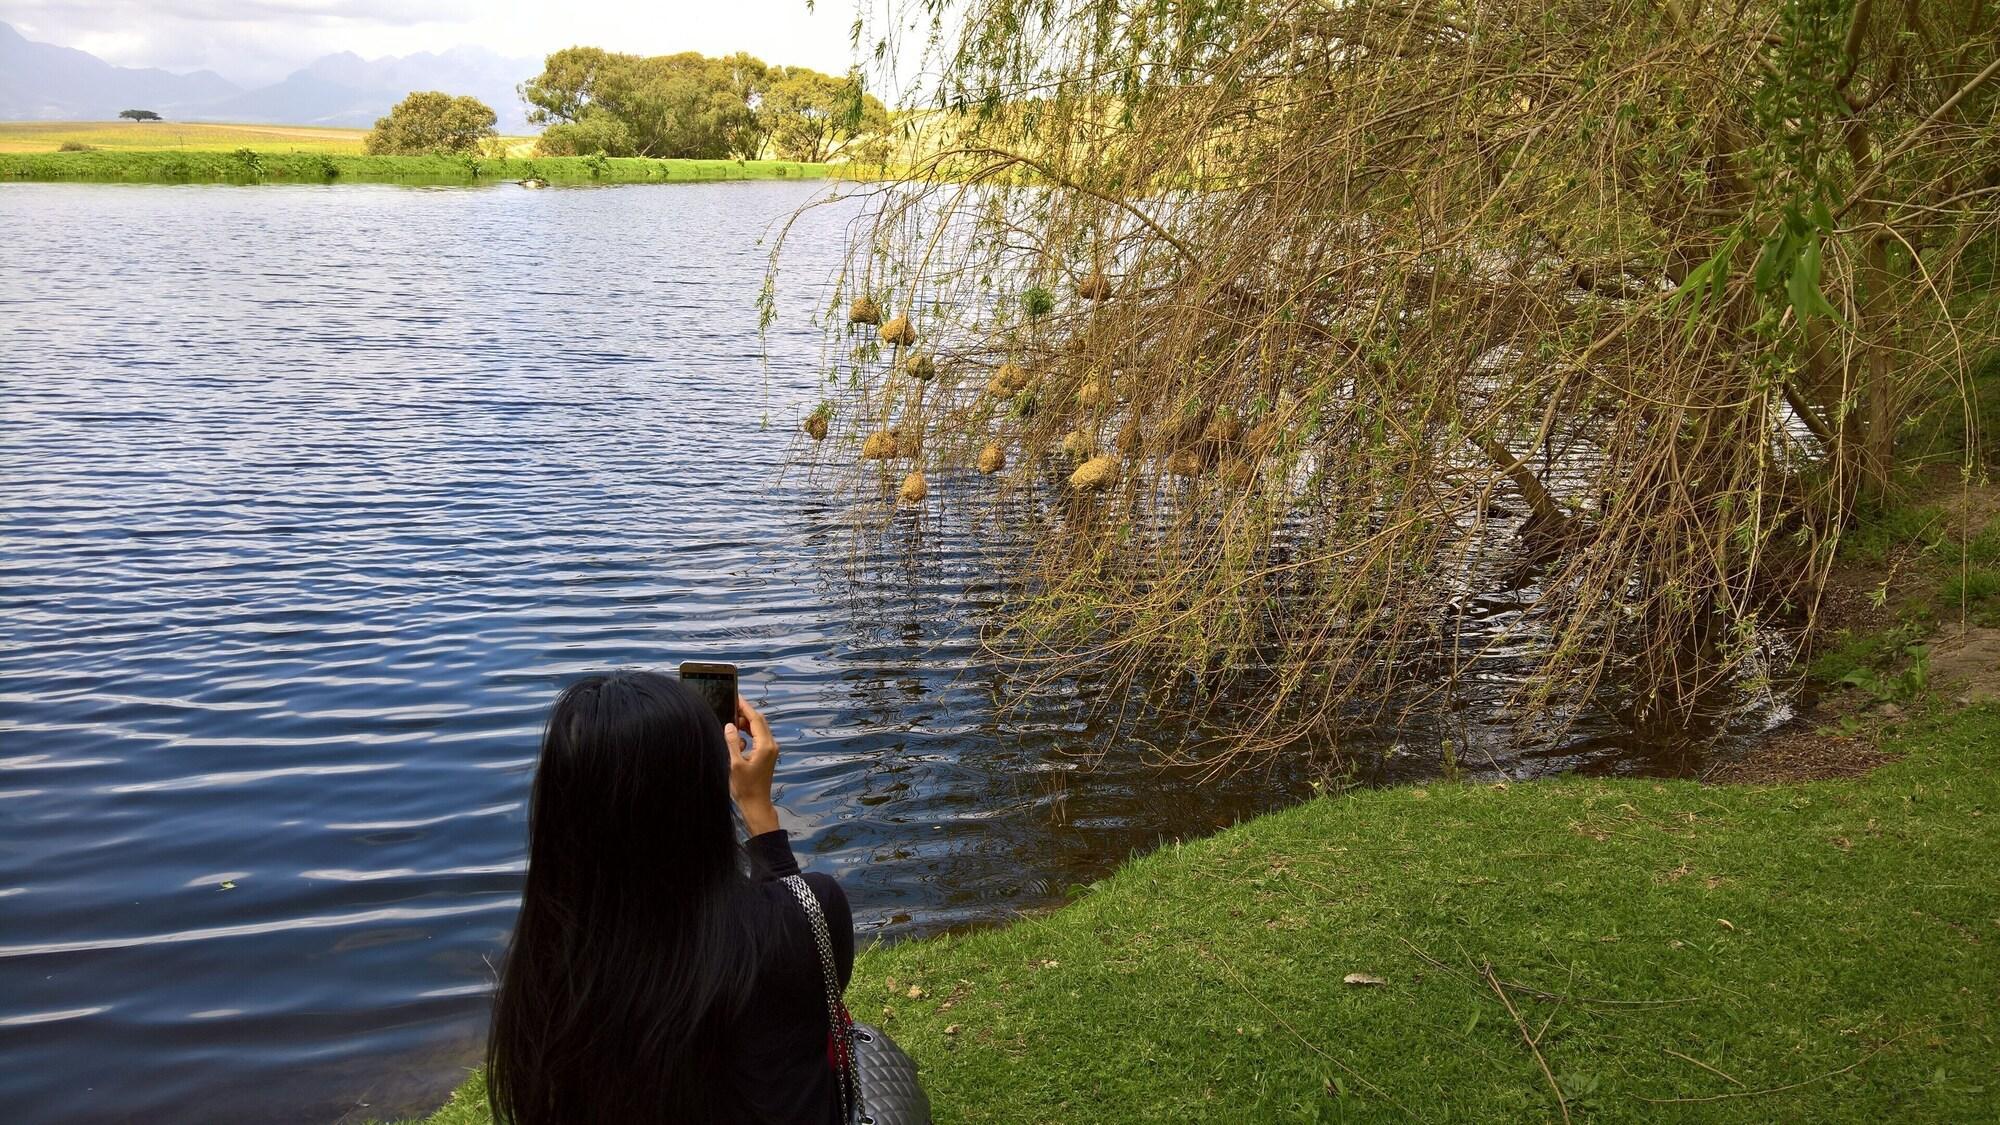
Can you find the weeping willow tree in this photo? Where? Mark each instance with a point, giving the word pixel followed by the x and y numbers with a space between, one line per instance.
pixel 1296 325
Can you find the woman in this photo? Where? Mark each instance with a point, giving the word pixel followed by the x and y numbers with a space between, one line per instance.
pixel 659 972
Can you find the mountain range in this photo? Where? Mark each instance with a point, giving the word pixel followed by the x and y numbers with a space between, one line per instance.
pixel 45 82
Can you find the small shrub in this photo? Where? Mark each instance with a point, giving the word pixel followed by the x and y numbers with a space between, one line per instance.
pixel 598 163
pixel 251 164
pixel 1872 542
pixel 1900 687
pixel 1970 588
pixel 1984 550
pixel 76 146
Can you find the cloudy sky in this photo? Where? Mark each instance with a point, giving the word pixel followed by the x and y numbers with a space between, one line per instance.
pixel 252 42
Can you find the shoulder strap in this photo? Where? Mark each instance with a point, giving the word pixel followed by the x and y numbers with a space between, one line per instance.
pixel 840 1046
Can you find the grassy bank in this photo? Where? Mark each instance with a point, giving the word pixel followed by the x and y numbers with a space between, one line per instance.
pixel 1657 951
pixel 246 166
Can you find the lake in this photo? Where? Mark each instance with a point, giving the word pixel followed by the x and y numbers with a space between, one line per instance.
pixel 311 498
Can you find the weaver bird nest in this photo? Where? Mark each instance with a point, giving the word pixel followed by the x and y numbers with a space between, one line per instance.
pixel 816 423
pixel 1094 475
pixel 878 446
pixel 1010 380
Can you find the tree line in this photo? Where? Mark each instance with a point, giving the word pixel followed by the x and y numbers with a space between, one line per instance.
pixel 686 105
pixel 690 105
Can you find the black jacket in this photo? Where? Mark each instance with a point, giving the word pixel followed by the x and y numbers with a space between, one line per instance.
pixel 780 1070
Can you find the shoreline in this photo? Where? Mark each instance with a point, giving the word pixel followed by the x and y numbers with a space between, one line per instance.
pixel 1814 950
pixel 1803 933
pixel 248 166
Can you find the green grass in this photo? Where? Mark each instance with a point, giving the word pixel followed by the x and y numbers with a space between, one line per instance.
pixel 1932 574
pixel 1874 541
pixel 247 166
pixel 1812 952
pixel 467 1105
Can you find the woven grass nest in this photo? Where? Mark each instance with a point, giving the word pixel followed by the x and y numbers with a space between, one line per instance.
pixel 864 310
pixel 920 367
pixel 899 332
pixel 992 459
pixel 914 488
pixel 815 426
pixel 1095 474
pixel 1093 393
pixel 1096 287
pixel 878 446
pixel 1079 445
pixel 1007 382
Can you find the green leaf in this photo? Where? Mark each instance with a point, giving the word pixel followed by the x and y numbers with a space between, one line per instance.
pixel 1803 286
pixel 1704 282
pixel 1771 263
pixel 1696 284
pixel 1719 272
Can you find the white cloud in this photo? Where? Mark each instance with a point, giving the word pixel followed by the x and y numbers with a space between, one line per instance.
pixel 252 42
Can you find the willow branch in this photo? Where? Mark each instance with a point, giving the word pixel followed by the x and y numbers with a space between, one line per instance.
pixel 1910 138
pixel 1055 177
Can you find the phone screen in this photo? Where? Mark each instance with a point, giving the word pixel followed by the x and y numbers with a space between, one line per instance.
pixel 715 683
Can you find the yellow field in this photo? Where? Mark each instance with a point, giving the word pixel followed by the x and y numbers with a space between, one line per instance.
pixel 152 136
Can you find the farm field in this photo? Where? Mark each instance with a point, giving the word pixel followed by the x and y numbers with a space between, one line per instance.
pixel 250 166
pixel 136 136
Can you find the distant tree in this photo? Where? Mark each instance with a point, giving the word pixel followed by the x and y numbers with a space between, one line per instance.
pixel 749 79
pixel 571 79
pixel 431 121
pixel 812 116
pixel 138 115
pixel 683 105
pixel 595 130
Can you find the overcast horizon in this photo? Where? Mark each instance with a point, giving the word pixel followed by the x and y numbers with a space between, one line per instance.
pixel 254 42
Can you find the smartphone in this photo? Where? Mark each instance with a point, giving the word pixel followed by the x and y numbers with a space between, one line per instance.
pixel 715 683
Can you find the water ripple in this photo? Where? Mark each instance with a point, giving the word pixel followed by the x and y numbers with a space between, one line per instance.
pixel 312 498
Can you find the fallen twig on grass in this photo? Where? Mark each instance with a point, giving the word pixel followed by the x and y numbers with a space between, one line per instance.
pixel 1562 1103
pixel 1315 1048
pixel 1539 994
pixel 1543 1030
pixel 1788 1086
pixel 1703 1065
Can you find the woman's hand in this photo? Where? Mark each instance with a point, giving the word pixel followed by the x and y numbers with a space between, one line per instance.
pixel 750 771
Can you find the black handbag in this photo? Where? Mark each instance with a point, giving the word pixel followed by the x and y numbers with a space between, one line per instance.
pixel 878 1080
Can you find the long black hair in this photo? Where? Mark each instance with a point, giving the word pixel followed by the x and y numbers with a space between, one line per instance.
pixel 626 957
